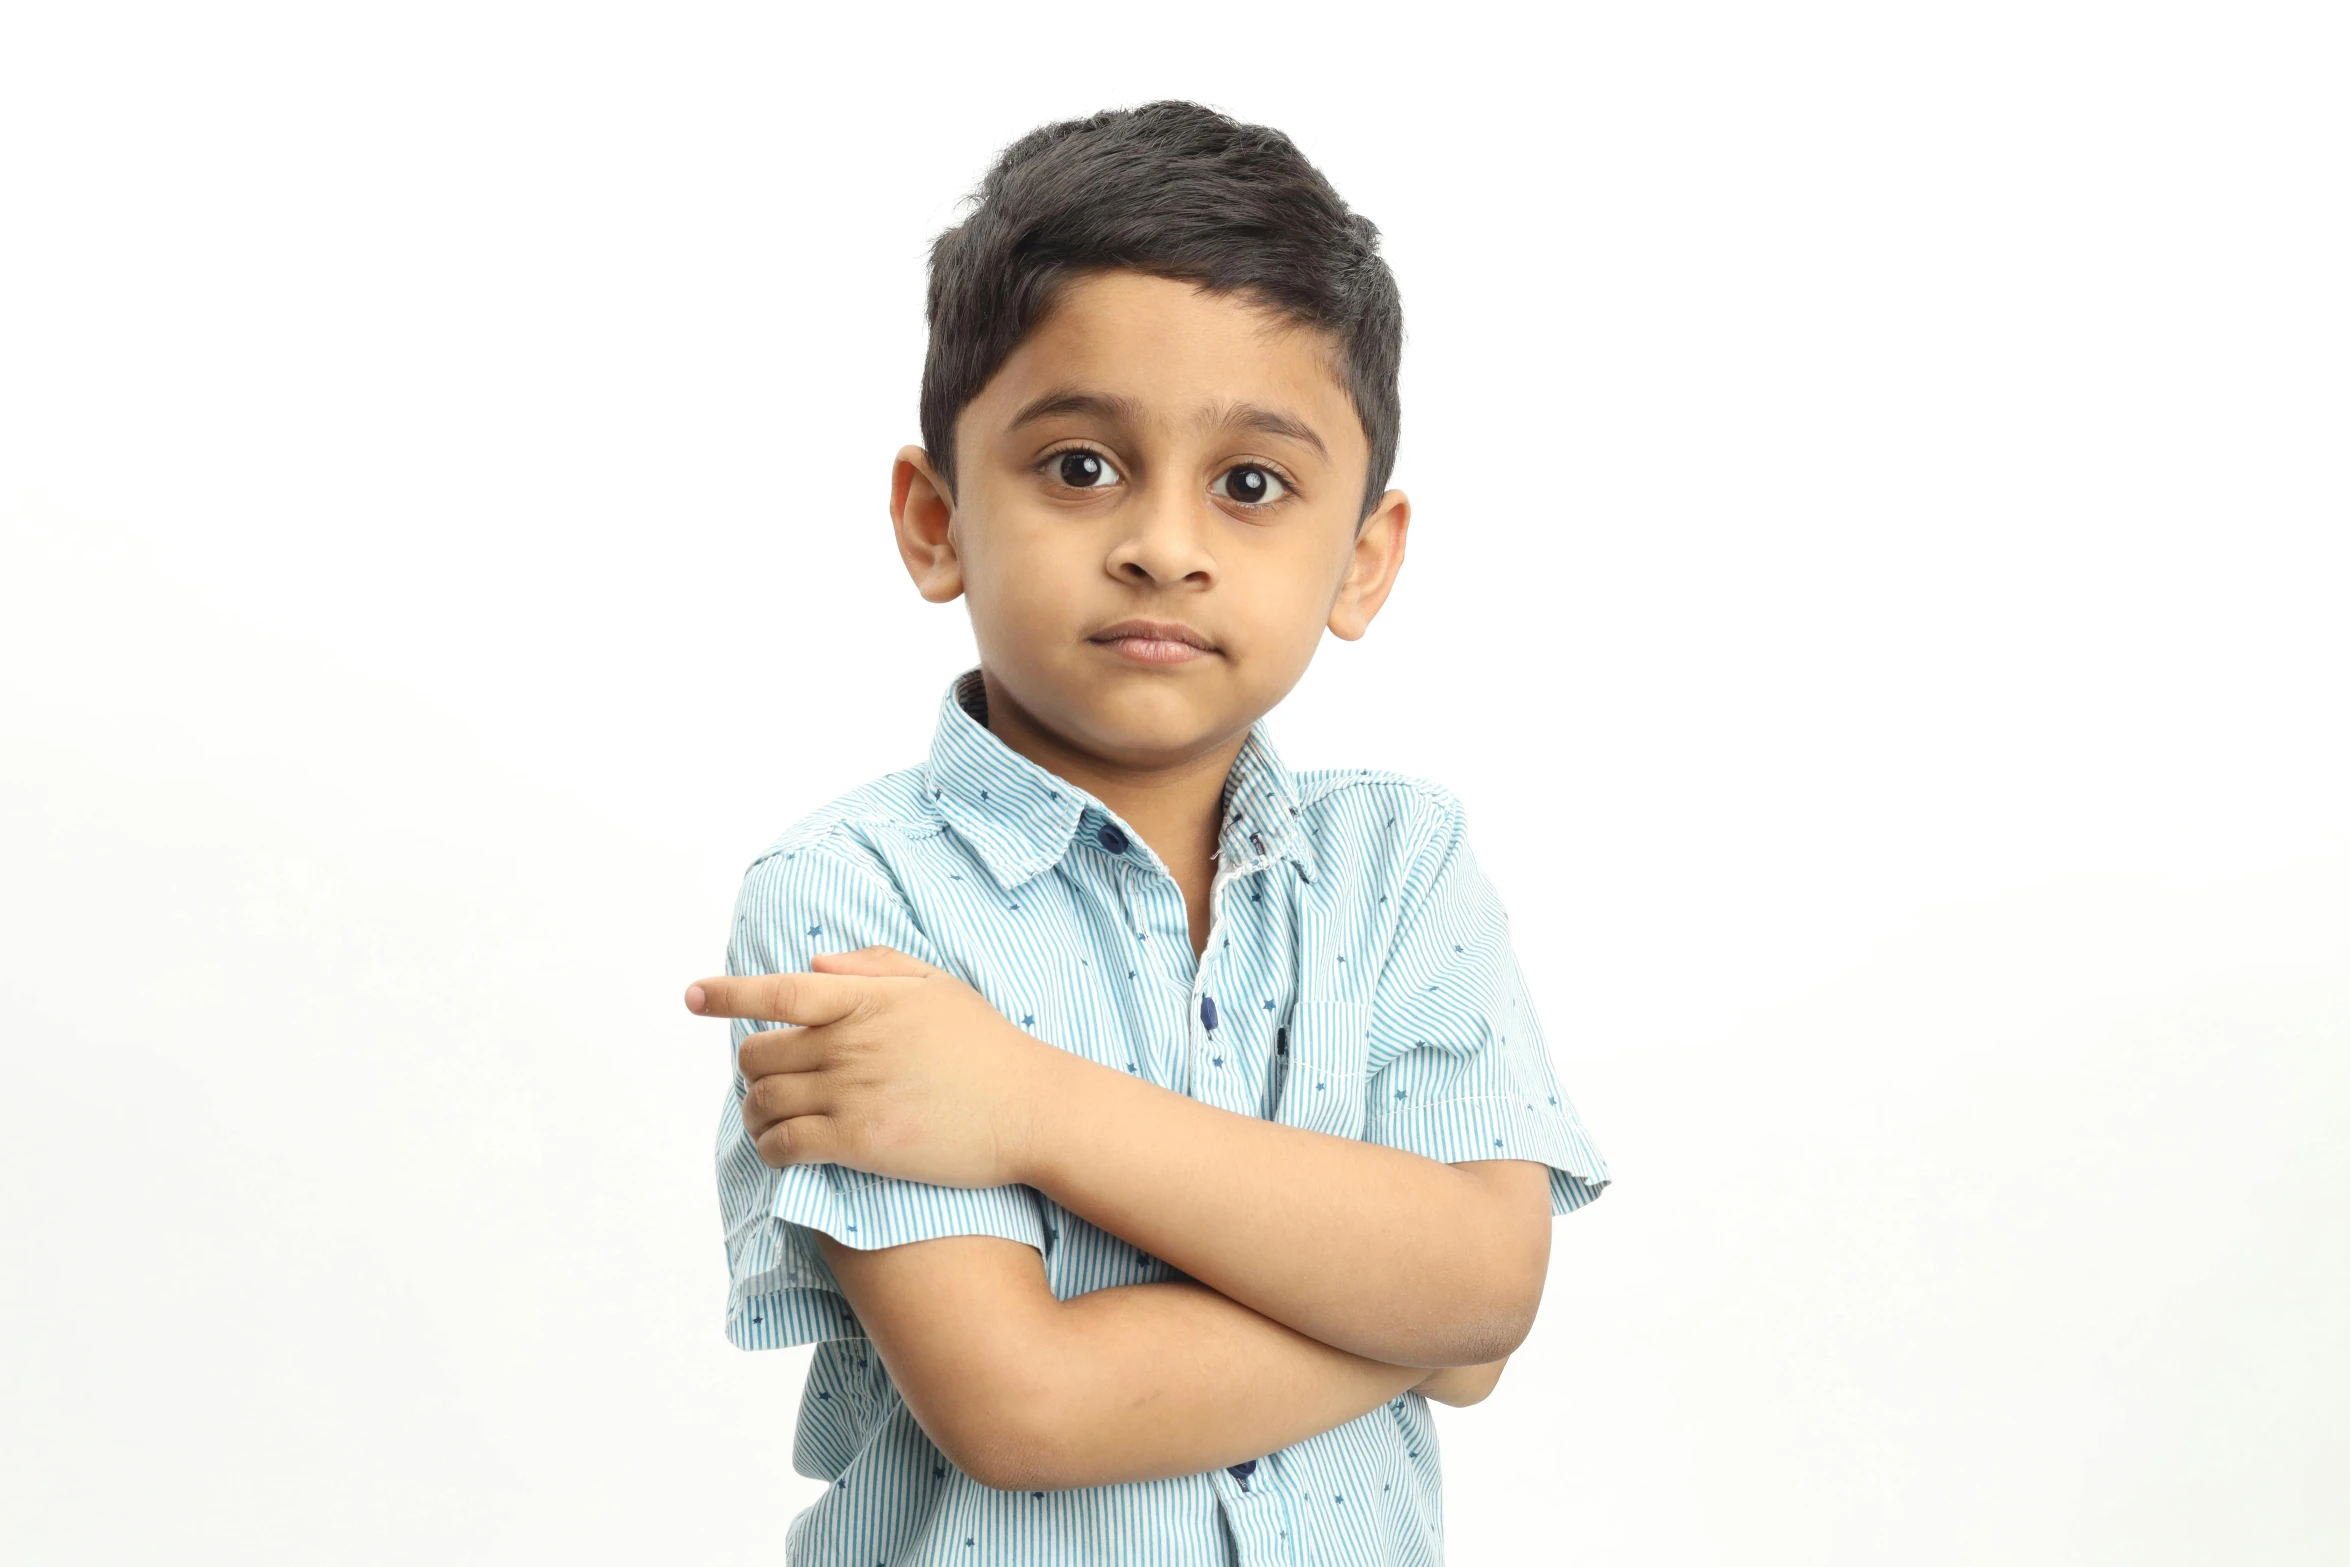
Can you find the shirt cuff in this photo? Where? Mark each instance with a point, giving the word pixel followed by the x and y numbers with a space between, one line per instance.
pixel 1455 1131
pixel 870 1211
pixel 783 1294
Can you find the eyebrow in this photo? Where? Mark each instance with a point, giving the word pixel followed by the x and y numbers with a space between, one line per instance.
pixel 1064 402
pixel 1272 421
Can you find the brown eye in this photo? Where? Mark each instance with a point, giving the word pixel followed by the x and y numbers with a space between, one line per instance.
pixel 1249 484
pixel 1083 470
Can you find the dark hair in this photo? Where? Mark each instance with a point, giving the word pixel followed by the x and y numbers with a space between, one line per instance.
pixel 1179 191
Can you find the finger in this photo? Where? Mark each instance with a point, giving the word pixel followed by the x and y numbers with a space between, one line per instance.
pixel 778 998
pixel 874 963
pixel 804 1139
pixel 772 1050
pixel 781 1095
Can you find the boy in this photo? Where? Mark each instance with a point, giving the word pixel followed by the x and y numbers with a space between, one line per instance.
pixel 1143 1131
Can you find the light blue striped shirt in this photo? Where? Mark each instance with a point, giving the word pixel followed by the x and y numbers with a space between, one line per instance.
pixel 1358 980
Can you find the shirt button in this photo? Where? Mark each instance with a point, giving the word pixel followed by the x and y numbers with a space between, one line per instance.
pixel 1111 839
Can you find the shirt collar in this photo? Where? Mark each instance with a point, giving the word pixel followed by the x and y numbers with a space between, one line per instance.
pixel 1019 820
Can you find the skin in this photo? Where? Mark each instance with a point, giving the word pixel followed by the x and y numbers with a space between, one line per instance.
pixel 1221 497
pixel 1044 567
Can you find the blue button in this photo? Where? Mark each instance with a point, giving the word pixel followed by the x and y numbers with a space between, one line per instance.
pixel 1111 839
pixel 1207 1010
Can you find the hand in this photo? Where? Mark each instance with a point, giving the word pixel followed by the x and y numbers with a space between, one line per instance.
pixel 895 1067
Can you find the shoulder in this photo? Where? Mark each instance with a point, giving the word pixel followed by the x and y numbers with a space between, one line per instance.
pixel 1389 833
pixel 845 875
pixel 1359 805
pixel 862 832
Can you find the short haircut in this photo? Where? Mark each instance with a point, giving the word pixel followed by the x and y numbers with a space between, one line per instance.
pixel 1175 190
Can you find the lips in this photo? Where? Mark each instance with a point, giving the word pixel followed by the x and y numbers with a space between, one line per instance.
pixel 1154 641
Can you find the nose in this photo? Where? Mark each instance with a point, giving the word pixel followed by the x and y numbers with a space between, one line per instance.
pixel 1164 544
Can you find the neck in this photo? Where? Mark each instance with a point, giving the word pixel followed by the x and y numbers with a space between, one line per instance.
pixel 1177 808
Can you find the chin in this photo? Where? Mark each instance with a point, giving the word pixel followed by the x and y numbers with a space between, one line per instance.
pixel 1143 715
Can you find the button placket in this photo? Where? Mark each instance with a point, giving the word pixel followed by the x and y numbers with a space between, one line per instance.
pixel 1151 905
pixel 1141 978
pixel 1203 1017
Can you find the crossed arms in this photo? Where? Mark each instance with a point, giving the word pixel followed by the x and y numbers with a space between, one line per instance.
pixel 1326 1275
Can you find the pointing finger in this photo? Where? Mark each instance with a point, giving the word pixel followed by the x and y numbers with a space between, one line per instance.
pixel 806 999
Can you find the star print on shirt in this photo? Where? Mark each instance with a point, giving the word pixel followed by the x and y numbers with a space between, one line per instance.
pixel 890 872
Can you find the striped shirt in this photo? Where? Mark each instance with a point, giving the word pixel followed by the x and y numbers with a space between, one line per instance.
pixel 1358 980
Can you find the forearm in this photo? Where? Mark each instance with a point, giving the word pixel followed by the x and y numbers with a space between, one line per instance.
pixel 1371 1250
pixel 1024 1391
pixel 1146 1381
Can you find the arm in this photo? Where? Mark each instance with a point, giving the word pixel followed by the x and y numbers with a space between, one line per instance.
pixel 1427 1241
pixel 1413 1246
pixel 1459 1252
pixel 1461 1386
pixel 898 1067
pixel 1139 1382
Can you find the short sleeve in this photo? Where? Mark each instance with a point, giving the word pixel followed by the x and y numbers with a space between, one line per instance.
pixel 795 903
pixel 1459 1067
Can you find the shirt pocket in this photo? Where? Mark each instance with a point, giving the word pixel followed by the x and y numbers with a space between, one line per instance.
pixel 1322 1083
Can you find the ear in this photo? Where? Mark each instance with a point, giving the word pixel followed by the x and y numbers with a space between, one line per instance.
pixel 1371 569
pixel 922 511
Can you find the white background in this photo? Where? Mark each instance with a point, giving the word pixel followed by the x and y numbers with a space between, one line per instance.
pixel 1878 584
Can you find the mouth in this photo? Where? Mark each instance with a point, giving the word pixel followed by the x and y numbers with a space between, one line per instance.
pixel 1153 641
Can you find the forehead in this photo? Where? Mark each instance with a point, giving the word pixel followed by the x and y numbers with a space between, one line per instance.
pixel 1177 352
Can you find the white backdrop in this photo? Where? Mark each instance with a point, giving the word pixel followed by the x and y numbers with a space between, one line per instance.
pixel 1878 584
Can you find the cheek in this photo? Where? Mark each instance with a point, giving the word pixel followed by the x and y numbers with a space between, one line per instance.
pixel 1286 603
pixel 1017 583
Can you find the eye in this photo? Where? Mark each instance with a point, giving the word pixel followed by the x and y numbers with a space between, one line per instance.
pixel 1081 470
pixel 1249 484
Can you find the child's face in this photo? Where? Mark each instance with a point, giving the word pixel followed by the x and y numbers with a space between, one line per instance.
pixel 1154 453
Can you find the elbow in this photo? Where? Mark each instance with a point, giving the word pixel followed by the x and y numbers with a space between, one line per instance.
pixel 1004 1460
pixel 1493 1333
pixel 1003 1433
pixel 1497 1316
pixel 1512 1330
pixel 1474 1327
pixel 998 1464
pixel 1507 1292
pixel 1468 1331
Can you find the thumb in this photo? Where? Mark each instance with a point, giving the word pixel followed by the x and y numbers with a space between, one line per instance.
pixel 873 963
